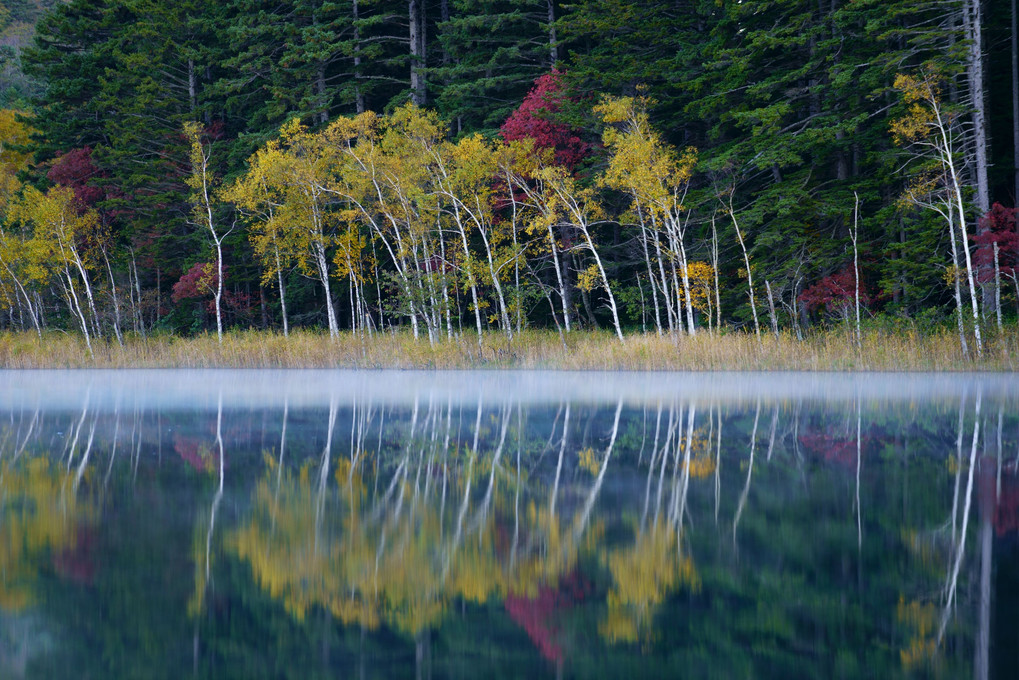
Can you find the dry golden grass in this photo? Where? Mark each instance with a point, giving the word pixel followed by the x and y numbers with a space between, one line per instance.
pixel 901 350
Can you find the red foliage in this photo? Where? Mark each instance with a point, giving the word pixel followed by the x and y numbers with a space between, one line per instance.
pixel 537 616
pixel 76 171
pixel 835 293
pixel 198 282
pixel 997 226
pixel 1006 512
pixel 77 562
pixel 536 119
pixel 838 450
pixel 197 452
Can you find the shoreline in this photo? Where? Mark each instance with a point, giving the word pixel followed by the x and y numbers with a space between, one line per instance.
pixel 895 351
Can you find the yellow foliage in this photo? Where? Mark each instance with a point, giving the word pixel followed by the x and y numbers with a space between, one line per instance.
pixel 702 280
pixel 589 461
pixel 14 156
pixel 921 622
pixel 952 274
pixel 702 466
pixel 644 574
pixel 642 164
pixel 589 279
pixel 39 515
pixel 53 233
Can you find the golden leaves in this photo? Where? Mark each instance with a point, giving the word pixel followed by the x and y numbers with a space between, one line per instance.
pixel 643 576
pixel 38 517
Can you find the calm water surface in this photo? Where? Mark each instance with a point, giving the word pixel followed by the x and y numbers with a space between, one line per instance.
pixel 228 524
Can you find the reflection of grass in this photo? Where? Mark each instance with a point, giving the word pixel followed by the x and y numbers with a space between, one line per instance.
pixel 900 350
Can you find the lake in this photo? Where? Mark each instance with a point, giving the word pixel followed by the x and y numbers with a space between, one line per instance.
pixel 375 524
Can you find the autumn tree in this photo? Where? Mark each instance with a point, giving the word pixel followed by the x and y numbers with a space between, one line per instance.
pixel 656 177
pixel 204 183
pixel 931 131
pixel 61 234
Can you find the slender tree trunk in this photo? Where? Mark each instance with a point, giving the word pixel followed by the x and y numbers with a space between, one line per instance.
pixel 856 268
pixel 28 301
pixel 997 287
pixel 666 295
pixel 219 290
pixel 138 292
pixel 192 86
pixel 553 43
pixel 750 276
pixel 323 275
pixel 1015 105
pixel 116 303
pixel 470 275
pixel 956 189
pixel 563 294
pixel 604 279
pixel 283 292
pixel 445 286
pixel 650 271
pixel 417 82
pixel 519 301
pixel 320 90
pixel 80 266
pixel 358 93
pixel 957 287
pixel 687 298
pixel 972 25
pixel 503 311
pixel 714 266
pixel 771 309
pixel 72 296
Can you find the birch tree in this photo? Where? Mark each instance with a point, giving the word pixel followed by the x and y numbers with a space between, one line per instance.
pixel 931 132
pixel 656 177
pixel 203 183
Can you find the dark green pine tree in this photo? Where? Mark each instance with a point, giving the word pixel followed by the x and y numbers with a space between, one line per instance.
pixel 312 59
pixel 72 52
pixel 488 55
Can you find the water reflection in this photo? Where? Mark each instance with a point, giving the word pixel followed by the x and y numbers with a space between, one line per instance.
pixel 334 526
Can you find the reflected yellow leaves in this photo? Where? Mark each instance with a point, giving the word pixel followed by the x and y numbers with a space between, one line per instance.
pixel 643 575
pixel 40 518
pixel 403 561
pixel 920 619
pixel 589 461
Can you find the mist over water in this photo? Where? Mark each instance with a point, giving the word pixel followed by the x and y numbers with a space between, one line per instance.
pixel 473 524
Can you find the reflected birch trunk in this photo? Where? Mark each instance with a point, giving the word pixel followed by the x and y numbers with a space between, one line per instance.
pixel 665 461
pixel 953 579
pixel 486 503
pixel 85 456
pixel 750 471
pixel 718 463
pixel 559 465
pixel 219 493
pixel 859 459
pixel 113 448
pixel 651 469
pixel 774 428
pixel 685 480
pixel 279 467
pixel 585 515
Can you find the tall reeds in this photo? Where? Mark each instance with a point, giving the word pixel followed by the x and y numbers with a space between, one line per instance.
pixel 837 350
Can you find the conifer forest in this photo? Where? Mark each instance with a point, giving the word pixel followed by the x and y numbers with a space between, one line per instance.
pixel 477 168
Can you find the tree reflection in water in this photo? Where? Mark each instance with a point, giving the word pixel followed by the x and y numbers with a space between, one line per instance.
pixel 644 531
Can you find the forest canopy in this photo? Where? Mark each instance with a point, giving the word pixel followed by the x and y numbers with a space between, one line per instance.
pixel 475 166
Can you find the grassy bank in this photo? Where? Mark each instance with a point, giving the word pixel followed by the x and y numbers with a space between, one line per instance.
pixel 902 350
